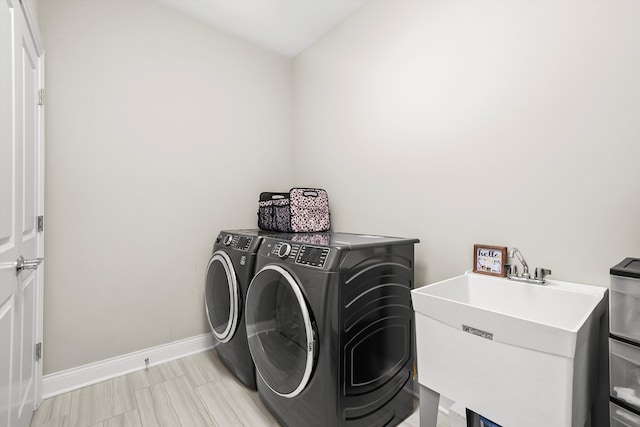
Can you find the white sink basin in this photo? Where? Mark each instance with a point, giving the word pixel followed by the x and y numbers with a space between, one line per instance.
pixel 519 354
pixel 541 317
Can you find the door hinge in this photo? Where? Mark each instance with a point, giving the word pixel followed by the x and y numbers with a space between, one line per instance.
pixel 41 97
pixel 38 351
pixel 40 223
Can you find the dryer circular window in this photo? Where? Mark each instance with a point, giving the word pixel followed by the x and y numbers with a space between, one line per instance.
pixel 222 300
pixel 281 331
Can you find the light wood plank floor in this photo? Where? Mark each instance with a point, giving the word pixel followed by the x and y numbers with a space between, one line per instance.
pixel 194 391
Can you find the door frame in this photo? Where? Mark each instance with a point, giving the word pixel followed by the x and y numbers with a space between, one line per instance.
pixel 34 30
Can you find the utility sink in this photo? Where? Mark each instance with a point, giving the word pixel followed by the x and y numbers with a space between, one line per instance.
pixel 520 354
pixel 541 317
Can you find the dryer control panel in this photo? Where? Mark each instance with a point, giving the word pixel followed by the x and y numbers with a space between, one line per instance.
pixel 242 242
pixel 235 241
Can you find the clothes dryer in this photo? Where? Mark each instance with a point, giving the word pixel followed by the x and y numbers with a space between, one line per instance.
pixel 229 273
pixel 330 327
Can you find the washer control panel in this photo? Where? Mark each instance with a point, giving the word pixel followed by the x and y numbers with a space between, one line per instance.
pixel 312 255
pixel 284 249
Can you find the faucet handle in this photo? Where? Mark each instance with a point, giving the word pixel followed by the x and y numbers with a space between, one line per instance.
pixel 541 273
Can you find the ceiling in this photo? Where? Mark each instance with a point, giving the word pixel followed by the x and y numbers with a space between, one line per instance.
pixel 284 26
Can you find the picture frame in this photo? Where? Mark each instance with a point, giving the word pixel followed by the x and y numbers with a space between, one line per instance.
pixel 490 259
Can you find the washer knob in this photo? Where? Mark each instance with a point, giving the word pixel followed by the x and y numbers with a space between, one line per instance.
pixel 228 239
pixel 284 250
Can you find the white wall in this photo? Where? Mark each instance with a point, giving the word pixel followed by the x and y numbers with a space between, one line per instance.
pixel 511 123
pixel 160 132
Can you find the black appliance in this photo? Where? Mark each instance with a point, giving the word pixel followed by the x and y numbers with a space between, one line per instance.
pixel 229 273
pixel 330 327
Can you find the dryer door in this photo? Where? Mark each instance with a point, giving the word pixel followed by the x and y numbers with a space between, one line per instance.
pixel 280 331
pixel 222 297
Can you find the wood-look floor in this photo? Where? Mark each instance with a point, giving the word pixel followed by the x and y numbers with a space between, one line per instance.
pixel 194 391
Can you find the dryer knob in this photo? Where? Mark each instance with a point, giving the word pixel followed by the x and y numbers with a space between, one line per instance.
pixel 284 250
pixel 228 239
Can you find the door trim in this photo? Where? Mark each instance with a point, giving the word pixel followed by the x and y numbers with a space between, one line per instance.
pixel 32 23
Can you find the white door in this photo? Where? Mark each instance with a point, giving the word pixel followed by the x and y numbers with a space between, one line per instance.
pixel 20 204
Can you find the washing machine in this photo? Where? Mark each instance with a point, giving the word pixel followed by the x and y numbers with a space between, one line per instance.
pixel 229 273
pixel 330 327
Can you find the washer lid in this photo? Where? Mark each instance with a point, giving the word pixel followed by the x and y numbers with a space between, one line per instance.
pixel 222 300
pixel 280 331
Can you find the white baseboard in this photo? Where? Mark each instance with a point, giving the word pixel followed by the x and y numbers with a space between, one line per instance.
pixel 82 376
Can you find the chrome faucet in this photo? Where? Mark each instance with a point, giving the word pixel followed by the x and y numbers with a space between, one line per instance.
pixel 515 252
pixel 512 273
